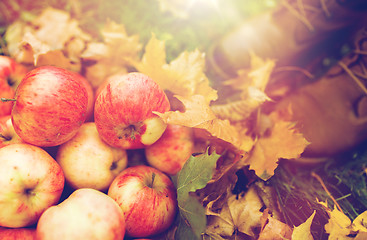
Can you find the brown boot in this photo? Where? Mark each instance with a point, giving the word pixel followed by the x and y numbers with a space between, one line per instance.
pixel 294 33
pixel 332 112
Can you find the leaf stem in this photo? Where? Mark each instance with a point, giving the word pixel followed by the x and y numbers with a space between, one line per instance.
pixel 153 177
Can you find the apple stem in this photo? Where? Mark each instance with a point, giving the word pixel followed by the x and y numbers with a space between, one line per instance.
pixel 5 137
pixel 152 183
pixel 7 99
pixel 129 132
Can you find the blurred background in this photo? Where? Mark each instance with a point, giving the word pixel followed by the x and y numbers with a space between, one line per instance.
pixel 184 25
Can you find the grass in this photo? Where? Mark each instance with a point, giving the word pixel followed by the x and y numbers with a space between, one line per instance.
pixel 341 181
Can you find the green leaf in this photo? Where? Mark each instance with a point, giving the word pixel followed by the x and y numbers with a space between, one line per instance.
pixel 194 175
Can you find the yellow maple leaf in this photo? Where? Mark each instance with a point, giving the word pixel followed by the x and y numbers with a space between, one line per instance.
pixel 257 75
pixel 198 114
pixel 241 109
pixel 359 223
pixel 183 76
pixel 283 141
pixel 113 55
pixel 338 226
pixel 303 231
pixel 239 214
pixel 252 83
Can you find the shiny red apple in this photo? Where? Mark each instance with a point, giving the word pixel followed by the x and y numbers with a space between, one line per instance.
pixel 148 199
pixel 124 108
pixel 50 106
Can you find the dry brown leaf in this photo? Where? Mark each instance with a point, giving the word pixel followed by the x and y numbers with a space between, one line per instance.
pixel 274 229
pixel 183 76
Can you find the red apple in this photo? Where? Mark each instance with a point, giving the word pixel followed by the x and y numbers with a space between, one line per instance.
pixel 148 199
pixel 50 106
pixel 17 233
pixel 30 182
pixel 85 214
pixel 7 133
pixel 124 108
pixel 171 151
pixel 11 74
pixel 88 162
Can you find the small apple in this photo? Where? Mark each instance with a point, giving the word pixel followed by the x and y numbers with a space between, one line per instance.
pixel 17 233
pixel 11 74
pixel 50 106
pixel 148 199
pixel 86 214
pixel 7 133
pixel 172 149
pixel 123 111
pixel 30 182
pixel 88 162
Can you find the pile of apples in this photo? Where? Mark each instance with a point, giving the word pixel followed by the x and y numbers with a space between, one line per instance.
pixel 57 132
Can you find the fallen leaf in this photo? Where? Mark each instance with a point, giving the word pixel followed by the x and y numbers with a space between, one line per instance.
pixel 274 229
pixel 282 141
pixel 113 55
pixel 338 226
pixel 240 213
pixel 194 175
pixel 303 231
pixel 198 114
pixel 360 222
pixel 183 76
pixel 241 109
pixel 256 76
pixel 43 41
